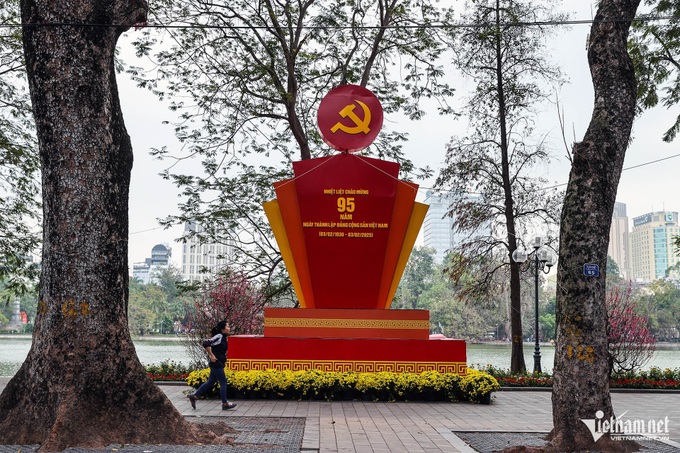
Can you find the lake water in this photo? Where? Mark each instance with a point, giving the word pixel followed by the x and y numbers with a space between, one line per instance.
pixel 13 351
pixel 498 355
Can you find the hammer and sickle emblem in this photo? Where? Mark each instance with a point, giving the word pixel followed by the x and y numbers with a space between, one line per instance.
pixel 359 125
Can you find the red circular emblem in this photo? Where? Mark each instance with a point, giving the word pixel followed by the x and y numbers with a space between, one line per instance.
pixel 349 118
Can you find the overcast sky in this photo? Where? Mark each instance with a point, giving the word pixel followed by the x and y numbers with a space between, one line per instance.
pixel 644 188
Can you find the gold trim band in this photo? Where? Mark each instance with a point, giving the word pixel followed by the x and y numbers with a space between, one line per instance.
pixel 347 323
pixel 459 368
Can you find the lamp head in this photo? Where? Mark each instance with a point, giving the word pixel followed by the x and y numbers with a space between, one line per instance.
pixel 519 256
pixel 546 257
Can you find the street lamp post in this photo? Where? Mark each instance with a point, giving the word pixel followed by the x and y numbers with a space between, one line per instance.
pixel 543 261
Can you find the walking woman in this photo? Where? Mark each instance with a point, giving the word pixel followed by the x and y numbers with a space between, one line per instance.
pixel 216 347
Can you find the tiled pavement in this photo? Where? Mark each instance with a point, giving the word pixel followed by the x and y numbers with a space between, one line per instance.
pixel 367 427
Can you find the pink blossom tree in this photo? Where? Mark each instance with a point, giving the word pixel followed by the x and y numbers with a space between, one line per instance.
pixel 231 297
pixel 630 343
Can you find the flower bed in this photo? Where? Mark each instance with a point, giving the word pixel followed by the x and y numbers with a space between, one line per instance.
pixel 654 378
pixel 475 387
pixel 397 386
pixel 168 370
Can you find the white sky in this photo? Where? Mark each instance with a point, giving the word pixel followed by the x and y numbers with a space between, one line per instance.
pixel 644 189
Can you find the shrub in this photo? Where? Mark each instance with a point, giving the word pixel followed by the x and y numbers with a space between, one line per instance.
pixel 476 387
pixel 198 377
pixel 231 297
pixel 630 344
pixel 168 370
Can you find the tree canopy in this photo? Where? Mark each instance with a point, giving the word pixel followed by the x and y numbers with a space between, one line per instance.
pixel 245 80
pixel 495 201
pixel 19 163
pixel 655 49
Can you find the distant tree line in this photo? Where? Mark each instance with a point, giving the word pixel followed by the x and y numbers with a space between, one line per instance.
pixel 425 285
pixel 165 306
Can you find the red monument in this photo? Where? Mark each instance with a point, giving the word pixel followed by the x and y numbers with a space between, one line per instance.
pixel 346 225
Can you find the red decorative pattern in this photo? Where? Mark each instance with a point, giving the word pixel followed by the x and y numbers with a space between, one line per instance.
pixel 347 354
pixel 340 367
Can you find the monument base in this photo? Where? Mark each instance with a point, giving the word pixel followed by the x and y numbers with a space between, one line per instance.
pixel 366 355
pixel 346 323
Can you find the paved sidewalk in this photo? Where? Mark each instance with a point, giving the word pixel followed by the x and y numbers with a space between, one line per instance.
pixel 366 427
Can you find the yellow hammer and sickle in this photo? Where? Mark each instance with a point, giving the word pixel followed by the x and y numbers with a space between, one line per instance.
pixel 359 125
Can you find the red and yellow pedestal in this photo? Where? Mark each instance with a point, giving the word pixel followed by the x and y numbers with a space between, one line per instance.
pixel 347 340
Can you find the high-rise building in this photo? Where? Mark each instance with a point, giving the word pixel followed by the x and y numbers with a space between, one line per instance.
pixel 148 271
pixel 619 240
pixel 202 260
pixel 438 232
pixel 438 226
pixel 652 244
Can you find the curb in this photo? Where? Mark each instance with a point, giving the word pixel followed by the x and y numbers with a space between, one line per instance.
pixel 503 389
pixel 611 390
pixel 178 383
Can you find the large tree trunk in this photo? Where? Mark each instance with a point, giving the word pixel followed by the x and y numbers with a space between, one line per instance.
pixel 82 383
pixel 581 374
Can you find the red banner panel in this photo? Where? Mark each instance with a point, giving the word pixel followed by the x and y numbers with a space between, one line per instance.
pixel 401 217
pixel 346 205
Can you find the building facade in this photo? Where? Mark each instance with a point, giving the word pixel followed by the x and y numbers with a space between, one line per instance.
pixel 438 231
pixel 619 241
pixel 148 271
pixel 202 260
pixel 438 226
pixel 652 249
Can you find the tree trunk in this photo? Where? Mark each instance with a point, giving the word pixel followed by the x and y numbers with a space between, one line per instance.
pixel 517 364
pixel 82 383
pixel 581 378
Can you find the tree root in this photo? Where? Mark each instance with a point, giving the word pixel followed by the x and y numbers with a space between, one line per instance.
pixel 603 445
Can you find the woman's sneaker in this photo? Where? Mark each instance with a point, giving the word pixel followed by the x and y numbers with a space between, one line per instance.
pixel 227 406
